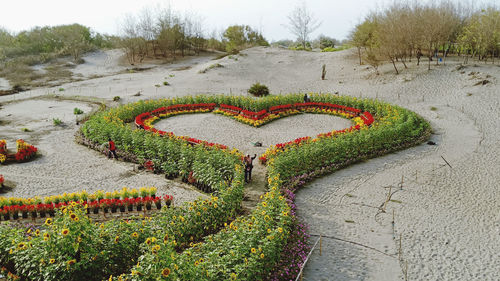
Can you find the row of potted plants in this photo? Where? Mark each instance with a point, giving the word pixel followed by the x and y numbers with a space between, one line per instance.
pixel 25 151
pixel 126 204
pixel 82 196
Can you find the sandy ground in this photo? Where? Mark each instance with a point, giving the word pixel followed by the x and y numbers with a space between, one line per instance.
pixel 4 84
pixel 448 217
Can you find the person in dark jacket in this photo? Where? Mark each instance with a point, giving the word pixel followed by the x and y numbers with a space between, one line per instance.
pixel 248 161
pixel 112 149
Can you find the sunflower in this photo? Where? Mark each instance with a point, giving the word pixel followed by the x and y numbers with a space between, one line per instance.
pixel 233 276
pixel 165 272
pixel 46 237
pixel 264 204
pixel 117 239
pixel 72 216
pixel 148 241
pixel 71 262
pixel 48 221
pixel 261 256
pixel 37 232
pixel 280 229
pixel 165 238
pixel 65 232
pixel 76 219
pixel 135 235
pixel 253 250
pixel 21 246
pixel 51 261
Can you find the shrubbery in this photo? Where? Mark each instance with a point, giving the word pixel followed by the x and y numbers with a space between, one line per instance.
pixel 259 90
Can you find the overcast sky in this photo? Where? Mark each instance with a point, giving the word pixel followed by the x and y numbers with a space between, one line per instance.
pixel 338 17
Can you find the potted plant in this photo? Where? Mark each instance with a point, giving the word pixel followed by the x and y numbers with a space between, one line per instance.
pixel 138 204
pixel 121 205
pixel 5 213
pixel 32 210
pixel 24 211
pixel 147 201
pixel 41 209
pixel 113 204
pixel 105 205
pixel 95 206
pixel 168 200
pixel 130 204
pixel 157 201
pixel 14 211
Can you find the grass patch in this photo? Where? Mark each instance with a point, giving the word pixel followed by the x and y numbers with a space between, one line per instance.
pixel 349 195
pixel 26 130
pixel 349 221
pixel 215 65
pixel 433 108
pixel 56 121
pixel 396 201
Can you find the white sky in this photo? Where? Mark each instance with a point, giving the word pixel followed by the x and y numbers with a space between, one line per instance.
pixel 338 17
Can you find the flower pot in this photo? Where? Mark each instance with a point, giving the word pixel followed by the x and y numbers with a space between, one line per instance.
pixel 42 214
pixel 96 210
pixel 88 211
pixel 122 208
pixel 24 215
pixel 113 209
pixel 167 203
pixel 52 213
pixel 139 208
pixel 158 205
pixel 130 208
pixel 6 217
pixel 106 210
pixel 34 214
pixel 148 207
pixel 15 216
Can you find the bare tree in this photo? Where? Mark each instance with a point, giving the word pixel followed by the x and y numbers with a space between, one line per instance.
pixel 302 23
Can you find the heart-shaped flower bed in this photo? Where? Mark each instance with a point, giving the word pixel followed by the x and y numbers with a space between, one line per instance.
pixel 205 239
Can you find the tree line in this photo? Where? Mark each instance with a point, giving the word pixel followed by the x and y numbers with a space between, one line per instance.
pixel 168 34
pixel 406 30
pixel 41 44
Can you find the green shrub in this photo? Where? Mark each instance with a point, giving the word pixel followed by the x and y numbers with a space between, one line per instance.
pixel 165 83
pixel 77 111
pixel 116 98
pixel 56 121
pixel 259 90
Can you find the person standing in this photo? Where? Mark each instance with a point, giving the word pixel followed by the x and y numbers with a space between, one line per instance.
pixel 112 149
pixel 248 167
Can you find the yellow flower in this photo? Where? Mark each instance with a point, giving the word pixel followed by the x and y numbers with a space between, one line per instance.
pixel 253 250
pixel 280 229
pixel 264 204
pixel 51 261
pixel 48 221
pixel 135 235
pixel 117 239
pixel 233 276
pixel 261 256
pixel 71 262
pixel 65 232
pixel 165 272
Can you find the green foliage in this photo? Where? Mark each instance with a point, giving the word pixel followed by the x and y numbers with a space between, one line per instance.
pixel 259 90
pixel 165 83
pixel 116 98
pixel 77 111
pixel 56 121
pixel 240 37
